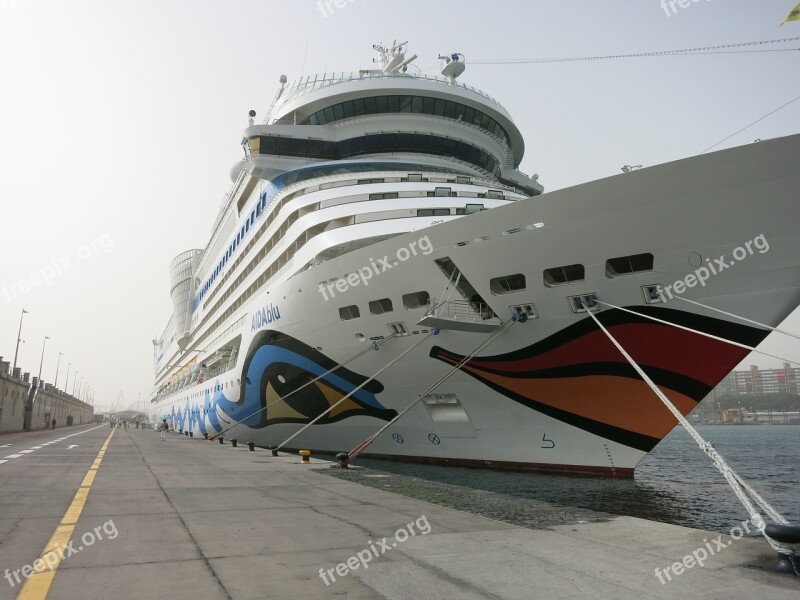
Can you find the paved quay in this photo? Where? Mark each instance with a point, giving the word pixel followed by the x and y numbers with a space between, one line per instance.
pixel 191 519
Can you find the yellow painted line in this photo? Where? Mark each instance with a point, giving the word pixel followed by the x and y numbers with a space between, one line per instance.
pixel 38 585
pixel 89 479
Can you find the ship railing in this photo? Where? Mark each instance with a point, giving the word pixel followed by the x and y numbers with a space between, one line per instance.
pixel 459 310
pixel 311 83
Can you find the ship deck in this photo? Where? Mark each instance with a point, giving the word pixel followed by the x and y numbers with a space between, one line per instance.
pixel 192 519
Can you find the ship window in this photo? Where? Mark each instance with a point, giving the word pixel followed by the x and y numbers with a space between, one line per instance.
pixel 438 107
pixel 367 144
pixel 312 120
pixel 428 105
pixel 416 299
pixel 442 191
pixel 507 284
pixel 496 194
pixel 450 109
pixel 365 181
pixel 346 313
pixel 473 208
pixel 382 104
pixel 348 108
pixel 378 307
pixel 415 177
pixel 393 104
pixel 338 113
pixel 462 179
pixel 469 114
pixel 461 211
pixel 358 107
pixel 433 212
pixel 416 104
pixel 370 106
pixel 625 265
pixel 405 104
pixel 329 114
pixel 384 196
pixel 564 275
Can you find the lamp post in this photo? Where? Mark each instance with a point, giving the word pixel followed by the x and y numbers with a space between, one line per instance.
pixel 19 339
pixel 75 381
pixel 58 364
pixel 41 362
pixel 67 380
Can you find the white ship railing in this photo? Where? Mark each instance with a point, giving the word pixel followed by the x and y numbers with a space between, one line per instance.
pixel 459 310
pixel 311 83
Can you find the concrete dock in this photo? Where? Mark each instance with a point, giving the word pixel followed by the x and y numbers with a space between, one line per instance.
pixel 191 519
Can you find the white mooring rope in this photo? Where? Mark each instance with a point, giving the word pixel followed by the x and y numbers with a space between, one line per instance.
pixel 740 488
pixel 378 372
pixel 363 445
pixel 306 384
pixel 735 316
pixel 704 334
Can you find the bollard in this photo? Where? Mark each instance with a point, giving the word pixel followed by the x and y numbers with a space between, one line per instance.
pixel 221 440
pixel 205 436
pixel 191 434
pixel 234 442
pixel 343 458
pixel 275 452
pixel 251 446
pixel 306 457
pixel 180 431
pixel 186 433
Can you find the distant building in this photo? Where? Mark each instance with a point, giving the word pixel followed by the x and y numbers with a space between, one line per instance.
pixel 757 383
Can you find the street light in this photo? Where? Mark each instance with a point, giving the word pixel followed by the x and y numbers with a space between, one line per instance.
pixel 19 339
pixel 58 364
pixel 74 381
pixel 41 362
pixel 67 380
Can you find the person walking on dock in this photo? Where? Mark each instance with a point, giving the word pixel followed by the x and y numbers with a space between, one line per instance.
pixel 164 428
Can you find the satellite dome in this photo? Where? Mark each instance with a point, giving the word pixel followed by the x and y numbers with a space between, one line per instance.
pixel 236 170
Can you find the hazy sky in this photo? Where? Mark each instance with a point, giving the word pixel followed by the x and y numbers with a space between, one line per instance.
pixel 119 123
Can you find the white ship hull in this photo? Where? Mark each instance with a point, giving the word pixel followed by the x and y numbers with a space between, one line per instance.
pixel 549 393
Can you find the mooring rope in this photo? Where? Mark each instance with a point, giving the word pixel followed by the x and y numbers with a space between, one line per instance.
pixel 306 384
pixel 735 316
pixel 378 372
pixel 704 334
pixel 729 474
pixel 365 444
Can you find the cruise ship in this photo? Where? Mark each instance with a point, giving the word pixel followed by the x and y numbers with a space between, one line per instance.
pixel 380 255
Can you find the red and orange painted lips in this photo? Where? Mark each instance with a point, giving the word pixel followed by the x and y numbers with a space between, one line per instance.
pixel 577 376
